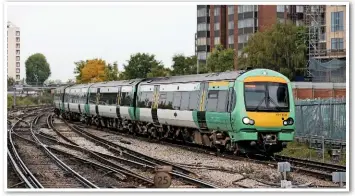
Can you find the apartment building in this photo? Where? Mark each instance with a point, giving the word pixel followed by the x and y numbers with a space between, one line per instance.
pixel 13 52
pixel 232 25
pixel 336 31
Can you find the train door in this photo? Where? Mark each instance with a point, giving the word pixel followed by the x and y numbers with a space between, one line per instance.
pixel 217 115
pixel 155 104
pixel 118 102
pixel 201 113
pixel 97 102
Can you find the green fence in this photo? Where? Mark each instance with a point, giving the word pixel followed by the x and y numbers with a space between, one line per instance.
pixel 321 118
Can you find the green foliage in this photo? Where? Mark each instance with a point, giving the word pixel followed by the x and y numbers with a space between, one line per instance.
pixel 142 65
pixel 184 65
pixel 10 81
pixel 302 150
pixel 281 48
pixel 111 72
pixel 45 98
pixel 159 71
pixel 220 59
pixel 37 65
pixel 78 67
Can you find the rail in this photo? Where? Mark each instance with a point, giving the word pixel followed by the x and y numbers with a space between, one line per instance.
pixel 19 166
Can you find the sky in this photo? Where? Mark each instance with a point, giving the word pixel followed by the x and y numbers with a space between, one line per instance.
pixel 69 33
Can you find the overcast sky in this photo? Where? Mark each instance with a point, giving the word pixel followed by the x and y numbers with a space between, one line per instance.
pixel 65 34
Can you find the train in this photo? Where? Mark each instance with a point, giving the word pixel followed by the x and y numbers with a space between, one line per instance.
pixel 242 111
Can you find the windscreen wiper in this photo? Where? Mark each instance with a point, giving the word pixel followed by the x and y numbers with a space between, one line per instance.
pixel 276 105
pixel 259 104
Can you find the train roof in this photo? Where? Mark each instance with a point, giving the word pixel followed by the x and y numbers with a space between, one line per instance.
pixel 117 83
pixel 230 75
pixel 81 85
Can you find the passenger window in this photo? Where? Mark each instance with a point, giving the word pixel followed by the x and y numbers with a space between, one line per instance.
pixel 162 100
pixel 222 101
pixel 212 101
pixel 126 99
pixel 108 98
pixel 185 100
pixel 166 100
pixel 231 100
pixel 92 98
pixel 177 100
pixel 141 99
pixel 194 100
pixel 148 101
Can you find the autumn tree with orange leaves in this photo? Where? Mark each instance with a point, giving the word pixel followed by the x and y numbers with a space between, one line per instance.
pixel 95 70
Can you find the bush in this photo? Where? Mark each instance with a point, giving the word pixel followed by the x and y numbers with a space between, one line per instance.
pixel 46 98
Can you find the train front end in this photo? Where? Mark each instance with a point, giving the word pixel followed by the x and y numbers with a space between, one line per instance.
pixel 266 119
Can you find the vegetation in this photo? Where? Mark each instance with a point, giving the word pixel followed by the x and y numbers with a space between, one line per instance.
pixel 142 65
pixel 45 98
pixel 37 69
pixel 95 70
pixel 220 59
pixel 10 81
pixel 302 150
pixel 185 65
pixel 282 48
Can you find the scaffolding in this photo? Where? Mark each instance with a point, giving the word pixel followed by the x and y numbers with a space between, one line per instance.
pixel 324 65
pixel 314 19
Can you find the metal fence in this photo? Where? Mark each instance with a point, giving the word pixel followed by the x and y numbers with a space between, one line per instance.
pixel 321 118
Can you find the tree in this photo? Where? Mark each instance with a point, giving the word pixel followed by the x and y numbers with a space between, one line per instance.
pixel 77 70
pixel 184 65
pixel 159 71
pixel 140 65
pixel 111 72
pixel 37 69
pixel 281 48
pixel 220 59
pixel 10 81
pixel 93 71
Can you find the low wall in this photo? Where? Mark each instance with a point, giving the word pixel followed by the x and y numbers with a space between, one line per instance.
pixel 312 90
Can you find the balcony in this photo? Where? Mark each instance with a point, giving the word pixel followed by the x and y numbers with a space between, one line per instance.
pixel 328 54
pixel 336 52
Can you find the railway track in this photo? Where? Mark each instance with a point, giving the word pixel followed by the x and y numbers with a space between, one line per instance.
pixel 122 164
pixel 35 165
pixel 308 167
pixel 101 160
pixel 24 174
pixel 137 159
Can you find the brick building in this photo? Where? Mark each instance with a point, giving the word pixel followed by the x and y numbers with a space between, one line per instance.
pixel 231 25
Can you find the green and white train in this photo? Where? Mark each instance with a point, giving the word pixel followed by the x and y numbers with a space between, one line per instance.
pixel 241 111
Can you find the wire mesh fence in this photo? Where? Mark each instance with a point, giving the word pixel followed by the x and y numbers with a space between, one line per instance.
pixel 321 118
pixel 320 130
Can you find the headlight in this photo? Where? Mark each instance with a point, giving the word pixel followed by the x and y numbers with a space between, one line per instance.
pixel 248 121
pixel 289 121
